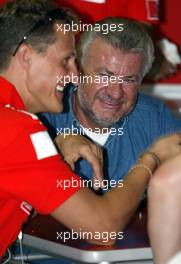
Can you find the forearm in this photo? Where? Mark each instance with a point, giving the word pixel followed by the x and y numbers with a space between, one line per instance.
pixel 110 212
pixel 122 202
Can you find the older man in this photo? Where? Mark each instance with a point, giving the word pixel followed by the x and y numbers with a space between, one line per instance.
pixel 107 106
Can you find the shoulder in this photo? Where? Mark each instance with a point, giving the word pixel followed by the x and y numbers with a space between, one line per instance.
pixel 11 116
pixel 16 124
pixel 154 113
pixel 148 103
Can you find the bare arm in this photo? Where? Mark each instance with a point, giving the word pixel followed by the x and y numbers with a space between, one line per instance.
pixel 110 212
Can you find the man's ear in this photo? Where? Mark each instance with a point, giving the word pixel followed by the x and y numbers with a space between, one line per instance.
pixel 24 56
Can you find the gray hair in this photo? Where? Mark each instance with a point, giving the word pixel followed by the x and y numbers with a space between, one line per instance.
pixel 132 38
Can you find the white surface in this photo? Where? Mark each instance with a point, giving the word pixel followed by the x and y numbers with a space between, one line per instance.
pixel 136 256
pixel 43 145
pixel 176 259
pixel 165 91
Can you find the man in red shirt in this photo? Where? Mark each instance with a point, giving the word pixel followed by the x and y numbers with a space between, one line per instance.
pixel 32 54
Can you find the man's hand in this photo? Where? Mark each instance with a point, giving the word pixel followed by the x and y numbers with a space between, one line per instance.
pixel 167 147
pixel 73 147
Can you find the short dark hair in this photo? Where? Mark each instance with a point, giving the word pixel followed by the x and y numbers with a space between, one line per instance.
pixel 18 17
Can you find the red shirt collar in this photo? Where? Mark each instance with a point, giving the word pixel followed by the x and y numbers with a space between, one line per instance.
pixel 9 95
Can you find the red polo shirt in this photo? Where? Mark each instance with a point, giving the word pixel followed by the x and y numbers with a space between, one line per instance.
pixel 29 167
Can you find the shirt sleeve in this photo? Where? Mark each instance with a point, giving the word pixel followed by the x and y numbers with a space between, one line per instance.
pixel 151 120
pixel 169 123
pixel 33 171
pixel 162 122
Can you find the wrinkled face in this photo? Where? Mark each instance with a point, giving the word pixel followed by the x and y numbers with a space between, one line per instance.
pixel 104 102
pixel 41 81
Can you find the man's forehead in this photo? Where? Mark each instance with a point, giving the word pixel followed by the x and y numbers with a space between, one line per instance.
pixel 65 40
pixel 102 53
pixel 99 50
pixel 99 47
pixel 95 54
pixel 69 35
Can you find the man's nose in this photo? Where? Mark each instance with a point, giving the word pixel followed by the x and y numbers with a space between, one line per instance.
pixel 115 90
pixel 74 69
pixel 74 74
